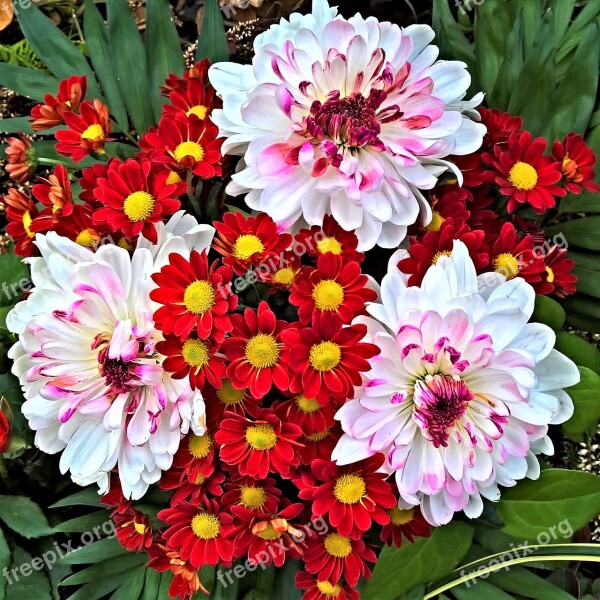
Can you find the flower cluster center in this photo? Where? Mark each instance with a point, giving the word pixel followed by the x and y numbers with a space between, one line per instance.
pixel 401 517
pixel 350 489
pixel 200 445
pixel 138 206
pixel 507 265
pixel 331 591
pixel 328 295
pixel 262 351
pixel 199 110
pixel 261 437
pixel 325 356
pixel 247 245
pixel 228 395
pixel 206 526
pixel 523 176
pixel 329 244
pixel 252 497
pixel 307 405
pixel 337 545
pixel 192 149
pixel 199 297
pixel 93 132
pixel 195 353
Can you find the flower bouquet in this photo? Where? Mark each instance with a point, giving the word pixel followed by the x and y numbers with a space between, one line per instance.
pixel 296 325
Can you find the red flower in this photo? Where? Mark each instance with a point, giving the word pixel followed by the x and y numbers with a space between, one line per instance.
pixel 56 195
pixel 20 212
pixel 195 97
pixel 333 288
pixel 185 143
pixel 5 437
pixel 21 160
pixel 199 533
pixel 258 446
pixel 194 298
pixel 449 201
pixel 323 590
pixel 89 182
pixel 307 413
pixel 408 523
pixel 254 351
pixel 558 280
pixel 227 398
pixel 80 228
pixel 176 83
pixel 71 92
pixel 133 530
pixel 326 360
pixel 258 496
pixel 352 496
pixel 87 131
pixel 577 164
pixel 247 241
pixel 194 493
pixel 283 272
pixel 135 196
pixel 523 174
pixel 318 444
pixel 500 126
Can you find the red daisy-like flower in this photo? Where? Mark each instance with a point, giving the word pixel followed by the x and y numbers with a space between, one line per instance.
pixel 176 83
pixel 246 241
pixel 80 228
pixel 56 195
pixel 332 289
pixel 282 272
pixel 258 446
pixel 133 530
pixel 577 161
pixel 227 398
pixel 318 444
pixel 185 143
pixel 500 126
pixel 135 195
pixel 71 93
pixel 352 496
pixel 199 533
pixel 258 496
pixel 254 351
pixel 448 201
pixel 323 590
pixel 195 298
pixel 114 498
pixel 558 277
pixel 196 97
pixel 87 133
pixel 326 360
pixel 334 556
pixel 482 216
pixel 194 458
pixel 524 174
pixel 407 523
pixel 20 212
pixel 307 413
pixel 21 160
pixel 89 182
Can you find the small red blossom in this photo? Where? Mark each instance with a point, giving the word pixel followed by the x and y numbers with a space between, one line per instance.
pixel 195 97
pixel 404 523
pixel 324 590
pixel 500 126
pixel 577 162
pixel 318 444
pixel 56 195
pixel 227 398
pixel 558 277
pixel 21 160
pixel 80 228
pixel 20 212
pixel 307 413
pixel 174 82
pixel 282 272
pixel 133 530
pixel 5 426
pixel 256 495
pixel 51 113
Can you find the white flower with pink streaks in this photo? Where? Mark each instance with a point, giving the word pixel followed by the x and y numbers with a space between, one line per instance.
pixel 94 385
pixel 461 396
pixel 345 117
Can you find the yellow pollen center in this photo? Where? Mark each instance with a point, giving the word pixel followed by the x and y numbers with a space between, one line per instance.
pixel 550 275
pixel 436 221
pixel 401 517
pixel 200 445
pixel 269 533
pixel 138 206
pixel 261 437
pixel 93 133
pixel 196 151
pixel 229 395
pixel 307 405
pixel 252 497
pixel 198 110
pixel 507 265
pixel 199 297
pixel 200 479
pixel 523 176
pixel 246 246
pixel 329 244
pixel 325 356
pixel 86 238
pixel 319 436
pixel 262 351
pixel 27 224
pixel 139 527
pixel 173 178
pixel 195 353
pixel 337 545
pixel 328 295
pixel 350 489
pixel 331 591
pixel 439 255
pixel 285 276
pixel 206 526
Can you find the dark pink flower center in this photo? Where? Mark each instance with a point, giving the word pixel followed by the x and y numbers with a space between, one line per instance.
pixel 116 373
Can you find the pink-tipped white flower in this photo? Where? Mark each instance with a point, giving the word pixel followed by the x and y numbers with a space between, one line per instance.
pixel 344 117
pixel 93 381
pixel 461 396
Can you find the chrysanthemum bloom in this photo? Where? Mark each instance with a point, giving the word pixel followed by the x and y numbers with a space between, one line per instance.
pixel 447 201
pixel 87 133
pixel 89 182
pixel 199 533
pixel 86 358
pixel 254 351
pixel 344 117
pixel 307 413
pixel 577 164
pixel 246 241
pixel 194 298
pixel 20 212
pixel 71 93
pixel 259 496
pixel 351 496
pixel 185 143
pixel 56 195
pixel 405 523
pixel 333 556
pixel 524 174
pixel 558 277
pixel 80 227
pixel 258 446
pixel 318 444
pixel 333 289
pixel 21 159
pixel 282 272
pixel 195 97
pixel 323 590
pixel 462 394
pixel 326 360
pixel 500 126
pixel 133 530
pixel 227 398
pixel 174 82
pixel 114 498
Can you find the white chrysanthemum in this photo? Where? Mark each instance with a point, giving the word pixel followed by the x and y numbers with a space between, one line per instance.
pixel 461 396
pixel 93 382
pixel 344 117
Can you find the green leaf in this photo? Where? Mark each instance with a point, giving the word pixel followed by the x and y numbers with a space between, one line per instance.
pixel 102 586
pixel 532 10
pixel 96 552
pixel 587 407
pixel 5 558
pixel 55 49
pixel 47 149
pixel 583 312
pixel 151 585
pixel 525 583
pixel 589 13
pixel 163 49
pixel 112 567
pixel 399 570
pixel 582 233
pixel 87 497
pixel 15 278
pixel 549 312
pixel 24 516
pixel 133 586
pixel 478 589
pixel 533 507
pixel 212 40
pixel 586 203
pixel 580 351
pixel 84 523
pixel 22 125
pixel 563 9
pixel 28 82
pixel 34 585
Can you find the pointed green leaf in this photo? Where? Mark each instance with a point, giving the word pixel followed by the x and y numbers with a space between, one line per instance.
pixel 24 516
pixel 84 523
pixel 212 40
pixel 587 408
pixel 112 567
pixel 34 585
pixel 96 552
pixel 549 312
pixel 132 587
pixel 579 232
pixel 87 497
pixel 478 589
pixel 28 82
pixel 580 351
pixel 525 583
pixel 5 558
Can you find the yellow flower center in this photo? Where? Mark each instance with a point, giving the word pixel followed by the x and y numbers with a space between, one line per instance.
pixel 401 517
pixel 173 178
pixel 331 591
pixel 206 526
pixel 261 437
pixel 195 353
pixel 285 276
pixel 86 238
pixel 436 221
pixel 200 479
pixel 262 351
pixel 199 297
pixel 269 533
pixel 350 489
pixel 325 356
pixel 252 497
pixel 93 132
pixel 319 436
pixel 196 151
pixel 138 206
pixel 307 405
pixel 228 395
pixel 439 255
pixel 329 244
pixel 507 265
pixel 27 224
pixel 198 110
pixel 550 275
pixel 200 445
pixel 523 176
pixel 328 295
pixel 337 545
pixel 139 527
pixel 246 246
pixel 125 243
